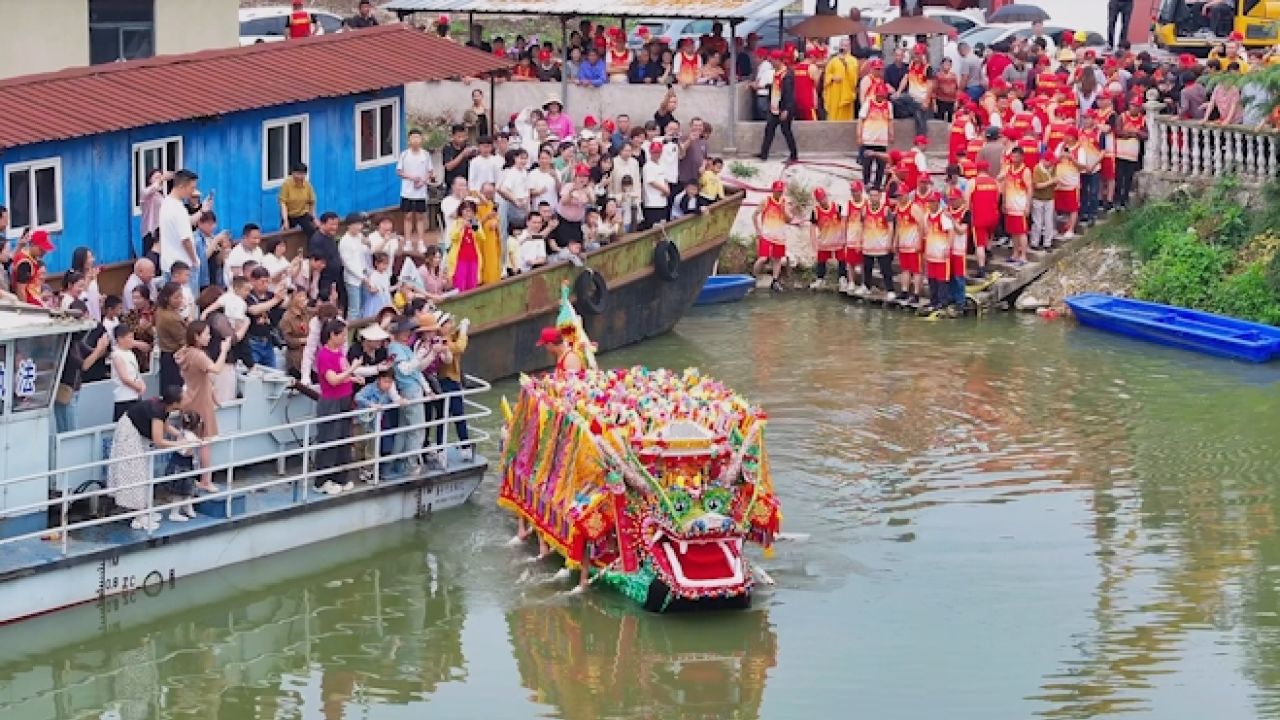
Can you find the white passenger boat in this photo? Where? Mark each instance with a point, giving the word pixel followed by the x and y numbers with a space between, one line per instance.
pixel 62 544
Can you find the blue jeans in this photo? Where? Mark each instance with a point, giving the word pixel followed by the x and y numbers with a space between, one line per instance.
pixel 354 296
pixel 957 291
pixel 64 416
pixel 263 352
pixel 456 409
pixel 974 92
pixel 1090 190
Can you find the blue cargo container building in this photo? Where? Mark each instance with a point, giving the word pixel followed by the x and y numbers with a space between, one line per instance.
pixel 76 145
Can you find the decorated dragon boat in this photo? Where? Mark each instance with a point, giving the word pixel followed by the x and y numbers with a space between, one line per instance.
pixel 650 481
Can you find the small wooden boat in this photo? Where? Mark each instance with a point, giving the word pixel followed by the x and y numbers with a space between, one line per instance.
pixel 1178 327
pixel 725 289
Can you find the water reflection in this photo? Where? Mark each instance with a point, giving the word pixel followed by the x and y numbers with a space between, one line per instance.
pixel 599 658
pixel 374 619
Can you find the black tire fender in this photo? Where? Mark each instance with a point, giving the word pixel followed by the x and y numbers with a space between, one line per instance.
pixel 592 292
pixel 666 260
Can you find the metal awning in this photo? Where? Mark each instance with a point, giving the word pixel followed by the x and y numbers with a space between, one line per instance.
pixel 699 9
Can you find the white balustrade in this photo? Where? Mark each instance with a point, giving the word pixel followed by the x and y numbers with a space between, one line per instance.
pixel 1197 149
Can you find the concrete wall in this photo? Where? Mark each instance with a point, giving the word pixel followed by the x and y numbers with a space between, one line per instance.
pixel 452 98
pixel 43 36
pixel 184 26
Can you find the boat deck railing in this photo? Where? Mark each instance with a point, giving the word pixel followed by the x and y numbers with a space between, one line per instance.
pixel 303 449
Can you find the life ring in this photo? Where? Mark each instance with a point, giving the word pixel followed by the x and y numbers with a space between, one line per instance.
pixel 666 260
pixel 592 292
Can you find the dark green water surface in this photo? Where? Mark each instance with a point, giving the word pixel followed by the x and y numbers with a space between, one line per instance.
pixel 1007 518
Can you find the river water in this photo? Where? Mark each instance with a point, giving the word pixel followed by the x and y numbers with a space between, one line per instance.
pixel 1007 518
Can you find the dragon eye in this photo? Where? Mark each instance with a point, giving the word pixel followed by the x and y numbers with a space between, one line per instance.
pixel 713 504
pixel 680 505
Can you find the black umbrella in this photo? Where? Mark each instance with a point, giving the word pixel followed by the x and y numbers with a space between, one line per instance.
pixel 1017 14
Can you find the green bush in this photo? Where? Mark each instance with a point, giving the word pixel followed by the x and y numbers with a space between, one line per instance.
pixel 1249 295
pixel 1184 271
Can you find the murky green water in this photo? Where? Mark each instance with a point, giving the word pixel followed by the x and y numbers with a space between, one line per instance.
pixel 1009 518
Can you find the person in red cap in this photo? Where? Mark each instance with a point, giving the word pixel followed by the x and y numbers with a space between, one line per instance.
pixel 908 216
pixel 1015 188
pixel 1043 220
pixel 656 193
pixel 27 268
pixel 771 220
pixel 877 242
pixel 782 110
pixel 1131 134
pixel 618 57
pixel 916 158
pixel 962 133
pixel 984 211
pixel 958 211
pixel 827 233
pixel 442 27
pixel 852 256
pixel 875 133
pixel 915 90
pixel 807 74
pixel 1066 197
pixel 566 360
pixel 301 23
pixel 938 229
pixel 688 63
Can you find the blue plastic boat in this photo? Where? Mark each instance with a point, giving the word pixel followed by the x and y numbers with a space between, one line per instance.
pixel 725 289
pixel 1178 327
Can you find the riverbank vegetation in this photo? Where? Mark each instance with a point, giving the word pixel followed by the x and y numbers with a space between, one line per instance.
pixel 1209 251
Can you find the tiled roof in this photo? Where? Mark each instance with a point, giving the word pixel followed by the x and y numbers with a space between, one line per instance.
pixel 106 98
pixel 710 9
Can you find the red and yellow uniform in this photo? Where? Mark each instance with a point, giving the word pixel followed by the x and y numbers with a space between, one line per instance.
pixel 1130 148
pixel 1047 83
pixel 919 86
pixel 853 230
pixel 300 23
pixel 689 66
pixel 830 231
pixel 618 61
pixel 958 140
pixel 877 235
pixel 984 199
pixel 959 239
pixel 1030 150
pixel 806 86
pixel 937 245
pixel 1107 141
pixel 907 235
pixel 27 277
pixel 875 123
pixel 1055 134
pixel 1066 198
pixel 773 229
pixel 1016 190
pixel 1091 154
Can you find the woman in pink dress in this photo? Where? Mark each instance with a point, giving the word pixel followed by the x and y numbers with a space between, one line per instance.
pixel 464 248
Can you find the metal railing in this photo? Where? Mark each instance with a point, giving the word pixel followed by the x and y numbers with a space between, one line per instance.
pixel 305 449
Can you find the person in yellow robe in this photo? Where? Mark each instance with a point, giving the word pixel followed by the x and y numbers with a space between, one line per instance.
pixel 489 240
pixel 840 84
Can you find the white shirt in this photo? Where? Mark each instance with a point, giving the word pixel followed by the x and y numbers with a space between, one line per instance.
pixel 630 166
pixel 417 165
pixel 133 282
pixel 188 310
pixel 129 361
pixel 93 298
pixel 277 266
pixel 449 209
pixel 379 244
pixel 764 78
pixel 175 226
pixel 355 266
pixel 652 197
pixel 239 255
pixel 235 307
pixel 542 187
pixel 516 184
pixel 482 170
pixel 670 161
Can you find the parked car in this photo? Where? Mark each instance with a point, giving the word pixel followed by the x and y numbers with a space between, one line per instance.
pixel 270 24
pixel 988 34
pixel 962 20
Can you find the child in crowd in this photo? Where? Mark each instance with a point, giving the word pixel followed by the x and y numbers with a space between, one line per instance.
pixel 377 287
pixel 379 395
pixel 711 188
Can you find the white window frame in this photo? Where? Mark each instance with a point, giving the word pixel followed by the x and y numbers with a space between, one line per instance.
pixel 284 123
pixel 31 166
pixel 394 157
pixel 160 144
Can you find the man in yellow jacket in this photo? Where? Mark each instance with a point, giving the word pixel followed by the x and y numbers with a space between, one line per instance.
pixel 840 84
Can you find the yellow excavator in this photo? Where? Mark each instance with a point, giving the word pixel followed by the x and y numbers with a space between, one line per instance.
pixel 1196 26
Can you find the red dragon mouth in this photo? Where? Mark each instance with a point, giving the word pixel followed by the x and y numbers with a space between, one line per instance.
pixel 702 564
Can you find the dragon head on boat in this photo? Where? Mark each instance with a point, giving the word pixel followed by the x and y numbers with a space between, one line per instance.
pixel 654 479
